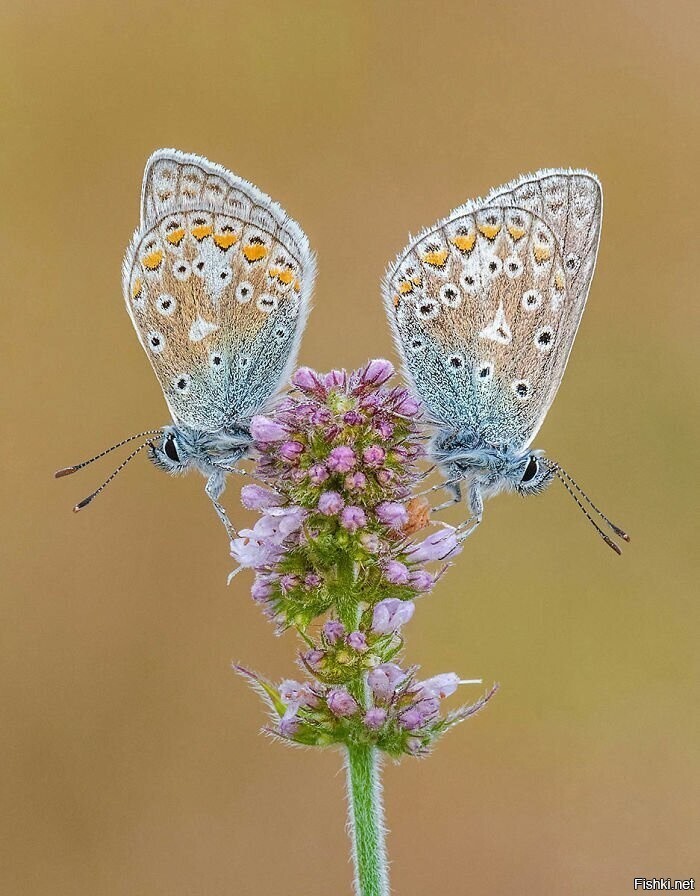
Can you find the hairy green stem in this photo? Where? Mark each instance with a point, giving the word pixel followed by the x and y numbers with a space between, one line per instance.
pixel 365 807
pixel 366 821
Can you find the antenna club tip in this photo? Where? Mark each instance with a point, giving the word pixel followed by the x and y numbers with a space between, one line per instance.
pixel 83 503
pixel 66 471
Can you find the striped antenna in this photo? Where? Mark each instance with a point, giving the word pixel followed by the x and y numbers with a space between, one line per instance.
pixel 86 501
pixel 66 471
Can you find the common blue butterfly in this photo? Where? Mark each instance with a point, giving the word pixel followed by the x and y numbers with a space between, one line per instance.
pixel 484 307
pixel 217 281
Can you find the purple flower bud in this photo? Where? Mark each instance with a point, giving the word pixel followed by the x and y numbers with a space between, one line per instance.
pixel 390 614
pixel 375 717
pixel 353 518
pixel 291 450
pixel 370 542
pixel 334 379
pixel 440 545
pixel 294 693
pixel 414 745
pixel 260 590
pixel 341 459
pixel 321 416
pixel 421 580
pixel 392 514
pixel 262 429
pixel 384 428
pixel 384 679
pixel 357 641
pixel 313 658
pixel 333 630
pixel 341 703
pixel 289 723
pixel 352 418
pixel 317 474
pixel 419 713
pixel 441 686
pixel 355 482
pixel 312 580
pixel 385 477
pixel 396 572
pixel 255 497
pixel 377 372
pixel 287 582
pixel 308 380
pixel 408 406
pixel 373 456
pixel 330 503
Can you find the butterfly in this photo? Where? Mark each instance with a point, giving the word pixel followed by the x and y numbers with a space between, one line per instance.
pixel 484 307
pixel 217 281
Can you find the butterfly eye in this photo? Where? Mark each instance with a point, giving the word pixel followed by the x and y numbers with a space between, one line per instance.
pixel 531 470
pixel 171 449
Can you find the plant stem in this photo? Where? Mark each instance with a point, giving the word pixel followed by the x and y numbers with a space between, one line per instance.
pixel 366 821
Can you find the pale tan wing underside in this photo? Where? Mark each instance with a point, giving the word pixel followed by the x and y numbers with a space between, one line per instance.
pixel 217 283
pixel 485 306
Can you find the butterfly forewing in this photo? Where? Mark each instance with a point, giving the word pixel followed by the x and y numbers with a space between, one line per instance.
pixel 485 305
pixel 217 282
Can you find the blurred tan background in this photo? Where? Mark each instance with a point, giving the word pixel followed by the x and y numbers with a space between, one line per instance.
pixel 131 759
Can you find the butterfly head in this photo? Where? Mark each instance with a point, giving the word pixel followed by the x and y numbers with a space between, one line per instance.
pixel 532 474
pixel 181 448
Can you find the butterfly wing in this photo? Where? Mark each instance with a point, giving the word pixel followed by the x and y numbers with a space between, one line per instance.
pixel 484 306
pixel 217 282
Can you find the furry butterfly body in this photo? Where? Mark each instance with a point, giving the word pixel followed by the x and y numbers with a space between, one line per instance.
pixel 484 307
pixel 217 282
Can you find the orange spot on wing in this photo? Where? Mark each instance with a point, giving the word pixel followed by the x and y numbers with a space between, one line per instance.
pixel 464 241
pixel 285 276
pixel 559 281
pixel 541 253
pixel 490 231
pixel 136 289
pixel 255 251
pixel 396 300
pixel 225 240
pixel 297 286
pixel 153 260
pixel 437 258
pixel 516 232
pixel 201 231
pixel 175 236
pixel 405 286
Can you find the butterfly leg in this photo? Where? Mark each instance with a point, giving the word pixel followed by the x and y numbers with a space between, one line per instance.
pixel 476 507
pixel 216 483
pixel 455 490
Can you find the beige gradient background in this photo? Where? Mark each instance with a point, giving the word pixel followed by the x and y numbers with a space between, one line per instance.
pixel 131 762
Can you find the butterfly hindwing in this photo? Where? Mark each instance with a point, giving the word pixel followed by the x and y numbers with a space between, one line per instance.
pixel 217 281
pixel 484 306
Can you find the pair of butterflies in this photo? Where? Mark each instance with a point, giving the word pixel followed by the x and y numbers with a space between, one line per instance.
pixel 484 307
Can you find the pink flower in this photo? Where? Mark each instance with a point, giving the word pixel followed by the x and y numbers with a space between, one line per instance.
pixel 353 518
pixel 352 418
pixel 373 456
pixel 341 459
pixel 294 693
pixel 308 380
pixel 377 372
pixel 390 614
pixel 392 514
pixel 384 679
pixel 291 450
pixel 355 482
pixel 317 474
pixel 262 429
pixel 335 379
pixel 357 641
pixel 396 572
pixel 341 703
pixel 421 580
pixel 255 497
pixel 330 503
pixel 333 631
pixel 441 686
pixel 375 717
pixel 440 545
pixel 408 406
pixel 370 542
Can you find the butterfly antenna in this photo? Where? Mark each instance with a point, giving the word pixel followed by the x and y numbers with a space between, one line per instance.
pixel 66 471
pixel 610 543
pixel 616 529
pixel 86 501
